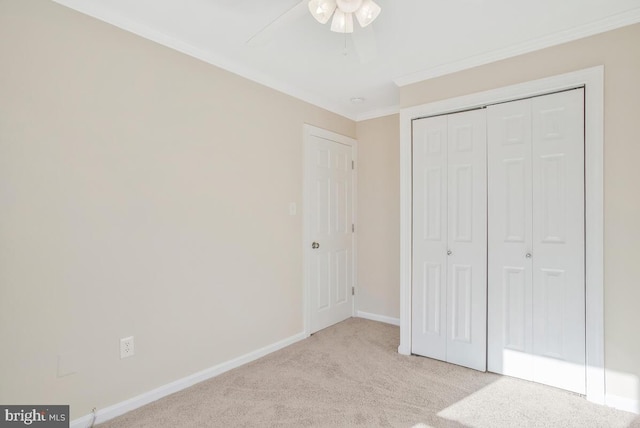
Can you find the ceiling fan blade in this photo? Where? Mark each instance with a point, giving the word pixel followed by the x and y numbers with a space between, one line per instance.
pixel 263 36
pixel 365 44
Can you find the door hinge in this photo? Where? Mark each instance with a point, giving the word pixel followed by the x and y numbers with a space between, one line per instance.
pixel 353 227
pixel 353 164
pixel 353 291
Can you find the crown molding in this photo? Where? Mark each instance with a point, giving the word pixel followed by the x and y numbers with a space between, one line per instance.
pixel 90 9
pixel 380 112
pixel 94 10
pixel 607 24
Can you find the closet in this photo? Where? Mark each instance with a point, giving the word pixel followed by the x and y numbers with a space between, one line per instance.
pixel 498 239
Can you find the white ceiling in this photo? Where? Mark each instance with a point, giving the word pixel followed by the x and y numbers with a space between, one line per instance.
pixel 416 40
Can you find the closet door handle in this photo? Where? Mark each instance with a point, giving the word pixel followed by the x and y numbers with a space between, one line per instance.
pixel 449 252
pixel 528 255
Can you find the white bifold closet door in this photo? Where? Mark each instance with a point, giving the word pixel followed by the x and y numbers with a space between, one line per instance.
pixel 536 279
pixel 449 238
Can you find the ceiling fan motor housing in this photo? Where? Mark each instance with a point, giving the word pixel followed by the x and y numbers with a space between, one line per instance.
pixel 349 6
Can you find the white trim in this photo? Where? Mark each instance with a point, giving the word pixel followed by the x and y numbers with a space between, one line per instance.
pixel 607 24
pixel 621 403
pixel 406 221
pixel 123 407
pixel 381 318
pixel 308 131
pixel 94 10
pixel 207 56
pixel 381 112
pixel 593 81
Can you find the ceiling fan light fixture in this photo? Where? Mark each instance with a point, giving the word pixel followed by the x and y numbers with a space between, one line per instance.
pixel 367 13
pixel 349 6
pixel 342 22
pixel 322 10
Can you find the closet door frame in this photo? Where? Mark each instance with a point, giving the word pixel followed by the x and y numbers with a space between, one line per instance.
pixel 592 79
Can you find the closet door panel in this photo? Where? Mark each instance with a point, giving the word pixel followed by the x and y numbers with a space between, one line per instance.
pixel 429 317
pixel 467 245
pixel 536 323
pixel 558 240
pixel 509 239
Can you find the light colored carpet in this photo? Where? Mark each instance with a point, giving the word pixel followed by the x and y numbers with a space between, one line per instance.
pixel 351 375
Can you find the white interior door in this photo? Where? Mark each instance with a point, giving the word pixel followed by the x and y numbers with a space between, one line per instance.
pixel 449 238
pixel 330 253
pixel 536 240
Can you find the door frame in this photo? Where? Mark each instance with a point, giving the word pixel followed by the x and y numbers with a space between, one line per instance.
pixel 308 132
pixel 593 81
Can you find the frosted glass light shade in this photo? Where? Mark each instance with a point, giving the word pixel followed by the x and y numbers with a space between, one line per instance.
pixel 342 22
pixel 322 9
pixel 367 13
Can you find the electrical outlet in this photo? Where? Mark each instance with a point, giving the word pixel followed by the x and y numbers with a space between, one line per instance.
pixel 126 347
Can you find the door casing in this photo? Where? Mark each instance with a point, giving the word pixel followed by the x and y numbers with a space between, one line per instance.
pixel 592 79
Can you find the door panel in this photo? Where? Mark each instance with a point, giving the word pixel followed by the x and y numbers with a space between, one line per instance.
pixel 551 290
pixel 429 319
pixel 552 192
pixel 461 297
pixel 342 276
pixel 467 231
pixel 432 211
pixel 558 240
pixel 330 216
pixel 509 323
pixel 320 270
pixel 449 290
pixel 514 301
pixel 430 289
pixel 461 203
pixel 536 324
pixel 515 199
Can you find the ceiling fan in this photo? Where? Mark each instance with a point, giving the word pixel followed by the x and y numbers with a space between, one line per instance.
pixel 343 12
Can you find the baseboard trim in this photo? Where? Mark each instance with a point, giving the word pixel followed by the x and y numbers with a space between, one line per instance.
pixel 376 317
pixel 621 403
pixel 123 407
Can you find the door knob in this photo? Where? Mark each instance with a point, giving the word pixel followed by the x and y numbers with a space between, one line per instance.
pixel 315 245
pixel 449 252
pixel 528 255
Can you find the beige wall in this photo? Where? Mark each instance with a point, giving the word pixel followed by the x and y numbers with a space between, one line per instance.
pixel 145 193
pixel 619 52
pixel 379 216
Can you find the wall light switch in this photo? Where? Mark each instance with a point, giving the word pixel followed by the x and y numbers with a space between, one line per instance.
pixel 293 208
